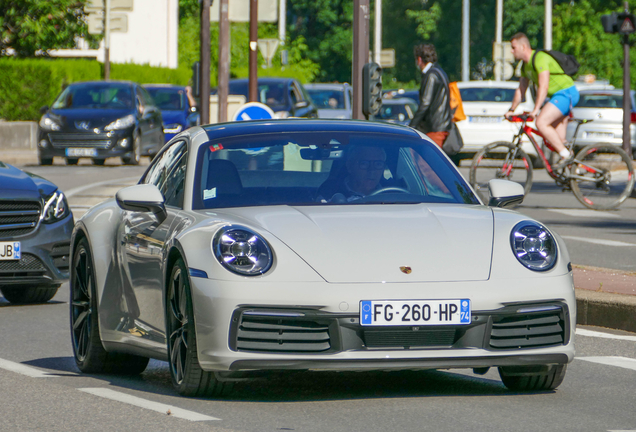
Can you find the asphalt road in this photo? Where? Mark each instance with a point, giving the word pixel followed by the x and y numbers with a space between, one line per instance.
pixel 41 389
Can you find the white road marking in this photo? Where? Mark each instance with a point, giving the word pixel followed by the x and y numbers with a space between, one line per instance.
pixel 69 193
pixel 143 403
pixel 25 370
pixel 600 241
pixel 591 333
pixel 624 362
pixel 585 213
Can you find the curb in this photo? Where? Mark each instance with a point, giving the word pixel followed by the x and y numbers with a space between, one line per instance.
pixel 615 311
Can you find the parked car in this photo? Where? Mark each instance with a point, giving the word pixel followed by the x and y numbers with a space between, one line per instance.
pixel 605 108
pixel 176 111
pixel 414 95
pixel 485 103
pixel 398 111
pixel 333 100
pixel 98 120
pixel 285 96
pixel 316 244
pixel 35 233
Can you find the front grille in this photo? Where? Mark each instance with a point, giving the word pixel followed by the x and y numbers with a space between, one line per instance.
pixel 18 218
pixel 531 330
pixel 60 256
pixel 101 141
pixel 409 338
pixel 27 265
pixel 281 334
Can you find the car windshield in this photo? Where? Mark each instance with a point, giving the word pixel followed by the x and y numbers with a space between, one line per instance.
pixel 401 112
pixel 327 99
pixel 486 94
pixel 273 95
pixel 168 99
pixel 96 96
pixel 600 100
pixel 325 168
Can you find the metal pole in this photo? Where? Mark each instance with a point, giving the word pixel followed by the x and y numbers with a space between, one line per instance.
pixel 205 62
pixel 360 52
pixel 378 32
pixel 466 40
pixel 107 40
pixel 499 67
pixel 627 102
pixel 224 59
pixel 547 37
pixel 282 21
pixel 253 58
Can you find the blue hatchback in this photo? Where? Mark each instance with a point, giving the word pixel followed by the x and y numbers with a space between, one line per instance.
pixel 177 111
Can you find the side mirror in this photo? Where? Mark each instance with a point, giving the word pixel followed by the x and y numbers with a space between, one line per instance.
pixel 142 198
pixel 301 105
pixel 44 109
pixel 505 193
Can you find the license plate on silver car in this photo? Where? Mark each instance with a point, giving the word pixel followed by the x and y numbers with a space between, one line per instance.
pixel 10 251
pixel 414 312
pixel 81 152
pixel 599 135
pixel 484 119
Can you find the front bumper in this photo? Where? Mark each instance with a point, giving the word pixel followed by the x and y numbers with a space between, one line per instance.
pixel 257 326
pixel 45 256
pixel 85 144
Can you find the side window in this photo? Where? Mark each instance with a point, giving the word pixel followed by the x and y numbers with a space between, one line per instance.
pixel 145 96
pixel 176 182
pixel 293 92
pixel 141 104
pixel 162 168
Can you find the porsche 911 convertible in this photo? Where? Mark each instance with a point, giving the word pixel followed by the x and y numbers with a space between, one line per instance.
pixel 316 245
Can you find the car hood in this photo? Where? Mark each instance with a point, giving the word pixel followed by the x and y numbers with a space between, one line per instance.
pixel 599 115
pixel 371 243
pixel 18 184
pixel 72 119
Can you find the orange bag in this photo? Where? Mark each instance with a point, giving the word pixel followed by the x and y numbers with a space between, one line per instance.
pixel 457 109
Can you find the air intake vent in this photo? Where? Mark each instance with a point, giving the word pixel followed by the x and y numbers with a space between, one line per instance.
pixel 28 265
pixel 281 334
pixel 409 338
pixel 528 330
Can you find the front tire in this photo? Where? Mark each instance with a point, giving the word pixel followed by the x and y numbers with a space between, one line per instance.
pixel 532 378
pixel 72 161
pixel 89 352
pixel 135 154
pixel 500 160
pixel 187 376
pixel 45 161
pixel 28 295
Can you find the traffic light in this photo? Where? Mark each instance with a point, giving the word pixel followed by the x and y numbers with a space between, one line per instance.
pixel 621 23
pixel 371 89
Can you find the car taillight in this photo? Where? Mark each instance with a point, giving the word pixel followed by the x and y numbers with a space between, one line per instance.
pixel 633 117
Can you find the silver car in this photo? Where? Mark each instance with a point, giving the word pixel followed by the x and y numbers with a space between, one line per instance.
pixel 334 101
pixel 605 107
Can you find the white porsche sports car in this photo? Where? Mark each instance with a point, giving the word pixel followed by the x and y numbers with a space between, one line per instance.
pixel 316 245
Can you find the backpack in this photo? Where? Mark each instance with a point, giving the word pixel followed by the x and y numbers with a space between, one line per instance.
pixel 567 61
pixel 456 106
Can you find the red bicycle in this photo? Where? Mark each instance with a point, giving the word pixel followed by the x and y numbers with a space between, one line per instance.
pixel 601 176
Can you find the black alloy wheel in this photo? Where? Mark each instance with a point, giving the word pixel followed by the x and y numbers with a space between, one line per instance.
pixel 135 153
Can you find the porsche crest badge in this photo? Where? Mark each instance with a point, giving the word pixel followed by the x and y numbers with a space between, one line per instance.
pixel 405 269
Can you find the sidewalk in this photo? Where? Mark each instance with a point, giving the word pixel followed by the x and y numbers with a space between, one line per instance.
pixel 604 297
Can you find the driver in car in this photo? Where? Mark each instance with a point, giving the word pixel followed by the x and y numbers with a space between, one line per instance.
pixel 365 167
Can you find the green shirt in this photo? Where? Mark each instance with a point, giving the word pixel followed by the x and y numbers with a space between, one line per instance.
pixel 543 62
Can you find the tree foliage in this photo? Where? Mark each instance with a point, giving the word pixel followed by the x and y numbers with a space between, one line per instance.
pixel 31 27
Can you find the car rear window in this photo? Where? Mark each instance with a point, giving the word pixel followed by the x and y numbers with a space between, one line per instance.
pixel 482 94
pixel 327 99
pixel 598 100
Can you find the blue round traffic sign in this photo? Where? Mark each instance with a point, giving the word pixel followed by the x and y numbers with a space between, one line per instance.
pixel 253 111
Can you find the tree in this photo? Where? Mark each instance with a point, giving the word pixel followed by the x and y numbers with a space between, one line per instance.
pixel 31 27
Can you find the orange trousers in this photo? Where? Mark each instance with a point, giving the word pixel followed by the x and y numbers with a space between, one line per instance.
pixel 438 137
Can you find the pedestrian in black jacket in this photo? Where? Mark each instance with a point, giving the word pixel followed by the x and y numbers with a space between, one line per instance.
pixel 433 116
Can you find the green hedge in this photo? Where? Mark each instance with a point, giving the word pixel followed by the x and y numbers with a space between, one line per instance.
pixel 28 84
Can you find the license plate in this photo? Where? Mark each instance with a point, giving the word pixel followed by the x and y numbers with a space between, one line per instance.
pixel 414 312
pixel 10 251
pixel 599 135
pixel 484 119
pixel 79 152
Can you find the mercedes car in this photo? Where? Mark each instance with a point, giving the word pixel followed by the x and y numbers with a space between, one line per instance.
pixel 299 244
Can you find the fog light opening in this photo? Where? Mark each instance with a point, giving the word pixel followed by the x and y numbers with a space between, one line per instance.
pixel 43 143
pixel 124 142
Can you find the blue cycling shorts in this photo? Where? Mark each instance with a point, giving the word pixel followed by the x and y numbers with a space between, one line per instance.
pixel 565 99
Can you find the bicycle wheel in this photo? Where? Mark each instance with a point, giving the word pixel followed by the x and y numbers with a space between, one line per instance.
pixel 500 160
pixel 602 176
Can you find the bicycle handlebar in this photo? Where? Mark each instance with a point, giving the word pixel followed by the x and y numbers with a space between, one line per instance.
pixel 519 118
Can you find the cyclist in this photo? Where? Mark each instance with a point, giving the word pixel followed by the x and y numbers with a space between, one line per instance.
pixel 551 83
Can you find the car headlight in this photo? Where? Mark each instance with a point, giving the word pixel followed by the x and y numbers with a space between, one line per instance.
pixel 172 128
pixel 49 124
pixel 121 123
pixel 242 251
pixel 533 245
pixel 55 208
